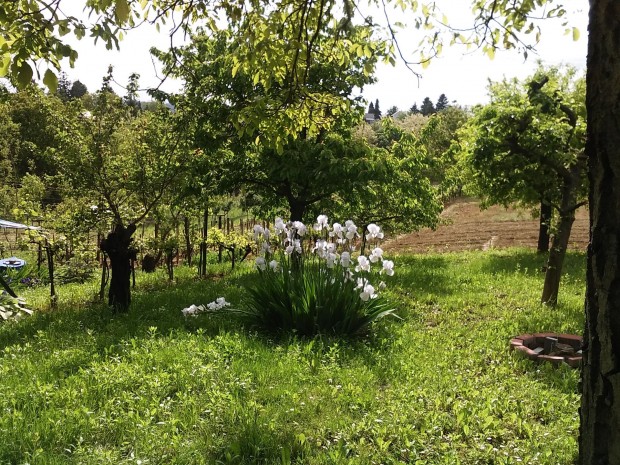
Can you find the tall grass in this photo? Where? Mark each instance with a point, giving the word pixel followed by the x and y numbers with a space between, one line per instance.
pixel 84 386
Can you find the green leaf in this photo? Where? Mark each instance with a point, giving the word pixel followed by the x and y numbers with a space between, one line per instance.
pixel 50 80
pixel 122 11
pixel 576 34
pixel 24 74
pixel 5 63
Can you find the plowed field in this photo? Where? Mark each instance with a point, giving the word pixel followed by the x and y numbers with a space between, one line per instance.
pixel 465 227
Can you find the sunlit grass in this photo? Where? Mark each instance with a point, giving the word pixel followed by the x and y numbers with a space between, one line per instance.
pixel 81 385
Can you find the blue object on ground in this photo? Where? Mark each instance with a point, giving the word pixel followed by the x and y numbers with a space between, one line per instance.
pixel 12 262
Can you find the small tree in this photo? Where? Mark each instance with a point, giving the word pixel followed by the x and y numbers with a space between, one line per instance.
pixel 63 91
pixel 392 110
pixel 128 163
pixel 427 107
pixel 527 146
pixel 442 103
pixel 377 111
pixel 78 90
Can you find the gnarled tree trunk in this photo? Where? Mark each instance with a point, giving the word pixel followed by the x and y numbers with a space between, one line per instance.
pixel 599 440
pixel 118 247
pixel 546 212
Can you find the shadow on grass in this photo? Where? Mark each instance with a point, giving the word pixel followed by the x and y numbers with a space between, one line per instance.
pixel 531 263
pixel 421 275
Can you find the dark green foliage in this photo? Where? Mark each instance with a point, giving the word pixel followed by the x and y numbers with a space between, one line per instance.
pixel 63 91
pixel 78 90
pixel 392 110
pixel 427 107
pixel 377 110
pixel 309 301
pixel 442 103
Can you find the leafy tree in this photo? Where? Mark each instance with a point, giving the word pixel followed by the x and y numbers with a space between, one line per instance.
pixel 442 103
pixel 438 135
pixel 63 91
pixel 395 191
pixel 78 90
pixel 41 120
pixel 392 110
pixel 132 99
pixel 414 110
pixel 427 107
pixel 527 146
pixel 236 159
pixel 125 164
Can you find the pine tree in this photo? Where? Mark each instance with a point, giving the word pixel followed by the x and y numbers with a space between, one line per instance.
pixel 427 108
pixel 371 108
pixel 442 103
pixel 132 98
pixel 414 110
pixel 377 110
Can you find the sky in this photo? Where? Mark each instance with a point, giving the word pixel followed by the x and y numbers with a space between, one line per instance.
pixel 460 74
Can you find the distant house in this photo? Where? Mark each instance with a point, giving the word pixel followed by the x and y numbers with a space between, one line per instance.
pixel 370 118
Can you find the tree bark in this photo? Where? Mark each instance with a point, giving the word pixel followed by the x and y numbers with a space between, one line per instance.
pixel 188 240
pixel 203 244
pixel 568 203
pixel 555 262
pixel 297 209
pixel 599 439
pixel 118 247
pixel 546 212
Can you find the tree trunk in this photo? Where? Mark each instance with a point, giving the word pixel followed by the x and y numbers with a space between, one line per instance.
pixel 203 244
pixel 188 241
pixel 546 212
pixel 297 209
pixel 118 247
pixel 555 262
pixel 599 439
pixel 560 240
pixel 50 269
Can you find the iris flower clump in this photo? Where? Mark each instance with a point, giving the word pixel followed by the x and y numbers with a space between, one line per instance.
pixel 313 280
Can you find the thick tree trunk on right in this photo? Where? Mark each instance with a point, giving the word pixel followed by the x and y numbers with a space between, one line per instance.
pixel 599 439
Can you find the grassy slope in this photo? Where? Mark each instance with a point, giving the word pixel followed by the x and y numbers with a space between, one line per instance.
pixel 439 387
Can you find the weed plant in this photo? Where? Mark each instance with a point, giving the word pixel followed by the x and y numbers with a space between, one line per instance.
pixel 81 385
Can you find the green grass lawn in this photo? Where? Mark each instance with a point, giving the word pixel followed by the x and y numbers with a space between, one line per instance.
pixel 83 386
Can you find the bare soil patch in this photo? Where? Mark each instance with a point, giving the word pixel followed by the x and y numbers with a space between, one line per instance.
pixel 464 226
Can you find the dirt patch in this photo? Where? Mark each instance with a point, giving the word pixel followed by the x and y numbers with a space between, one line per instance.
pixel 465 227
